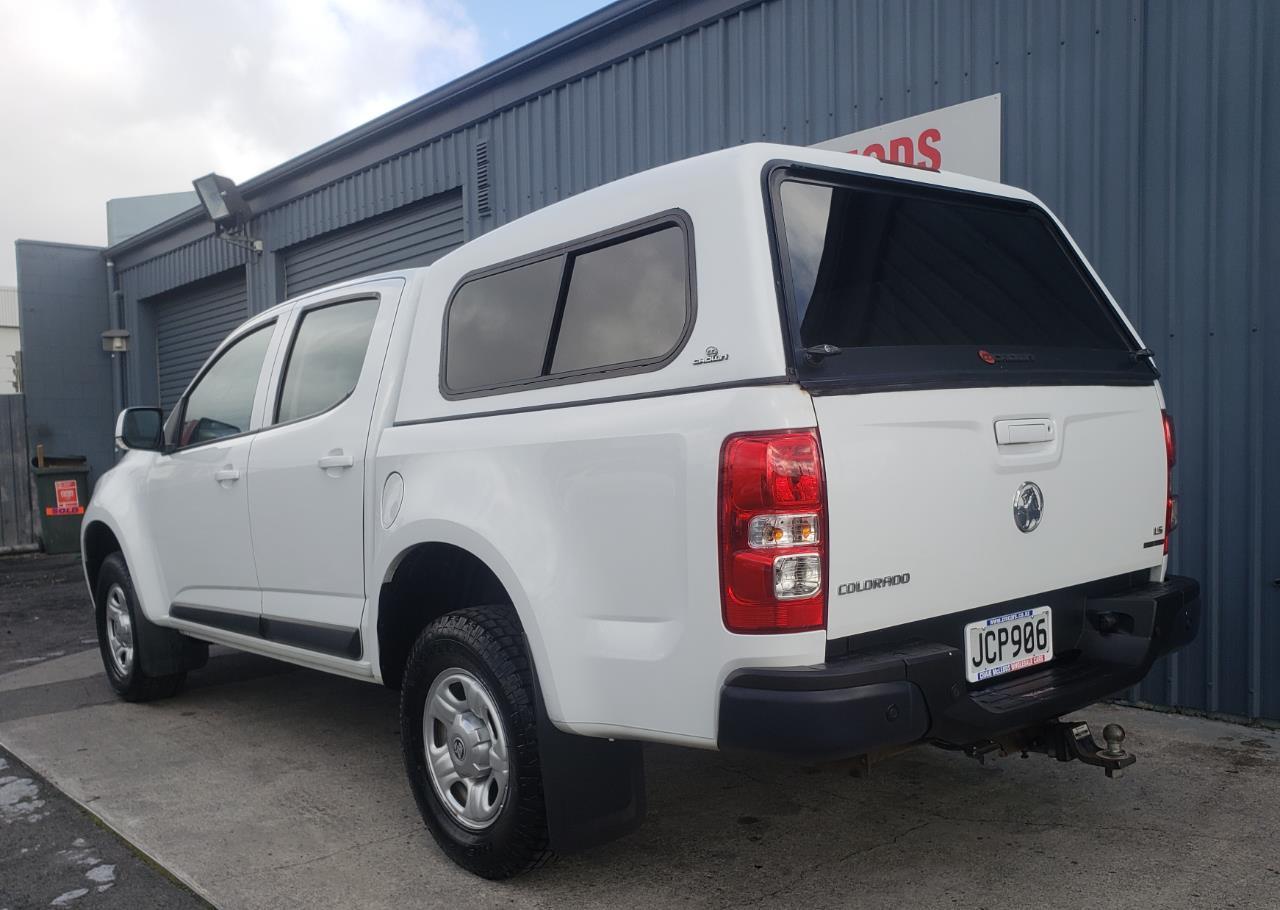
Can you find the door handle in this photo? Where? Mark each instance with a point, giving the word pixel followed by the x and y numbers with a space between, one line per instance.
pixel 337 460
pixel 1021 432
pixel 226 475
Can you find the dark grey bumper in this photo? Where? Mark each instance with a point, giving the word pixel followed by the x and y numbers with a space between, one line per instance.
pixel 896 694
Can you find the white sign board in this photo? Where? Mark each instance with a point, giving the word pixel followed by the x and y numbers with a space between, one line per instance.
pixel 964 138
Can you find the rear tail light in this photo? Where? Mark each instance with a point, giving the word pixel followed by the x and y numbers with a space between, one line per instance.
pixel 1171 458
pixel 773 512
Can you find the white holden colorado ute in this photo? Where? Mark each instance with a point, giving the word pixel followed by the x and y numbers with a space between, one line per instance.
pixel 773 451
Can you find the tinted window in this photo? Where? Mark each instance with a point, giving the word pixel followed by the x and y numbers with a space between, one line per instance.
pixel 221 402
pixel 626 302
pixel 499 325
pixel 875 268
pixel 619 303
pixel 326 358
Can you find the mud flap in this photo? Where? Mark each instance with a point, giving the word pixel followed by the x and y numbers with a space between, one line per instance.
pixel 163 652
pixel 594 788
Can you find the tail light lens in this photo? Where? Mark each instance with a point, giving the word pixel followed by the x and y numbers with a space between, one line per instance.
pixel 1171 458
pixel 773 512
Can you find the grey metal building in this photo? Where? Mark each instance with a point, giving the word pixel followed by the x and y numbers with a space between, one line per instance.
pixel 1145 124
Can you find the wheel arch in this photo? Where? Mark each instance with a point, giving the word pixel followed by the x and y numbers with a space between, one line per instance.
pixel 430 577
pixel 98 541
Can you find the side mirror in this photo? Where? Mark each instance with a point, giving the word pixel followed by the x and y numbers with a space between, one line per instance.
pixel 140 428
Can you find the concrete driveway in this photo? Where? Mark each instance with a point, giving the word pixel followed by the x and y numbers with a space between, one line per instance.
pixel 273 787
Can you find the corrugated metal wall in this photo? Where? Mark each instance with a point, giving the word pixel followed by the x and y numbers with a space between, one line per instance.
pixel 409 236
pixel 190 323
pixel 1205 299
pixel 1144 124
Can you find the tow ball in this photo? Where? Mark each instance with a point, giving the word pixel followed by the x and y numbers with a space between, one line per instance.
pixel 1072 740
pixel 1065 740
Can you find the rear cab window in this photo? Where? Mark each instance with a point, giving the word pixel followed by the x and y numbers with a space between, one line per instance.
pixel 893 284
pixel 606 305
pixel 325 358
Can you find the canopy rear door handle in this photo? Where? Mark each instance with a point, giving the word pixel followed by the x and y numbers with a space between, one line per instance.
pixel 1024 430
pixel 226 475
pixel 336 460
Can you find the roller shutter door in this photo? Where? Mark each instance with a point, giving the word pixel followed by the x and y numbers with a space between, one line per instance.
pixel 414 235
pixel 190 323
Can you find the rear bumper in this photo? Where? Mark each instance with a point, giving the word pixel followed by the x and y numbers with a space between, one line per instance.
pixel 892 695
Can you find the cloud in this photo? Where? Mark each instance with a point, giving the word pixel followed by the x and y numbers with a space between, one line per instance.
pixel 108 98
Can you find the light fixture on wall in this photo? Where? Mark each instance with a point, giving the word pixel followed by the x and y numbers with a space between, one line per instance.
pixel 227 210
pixel 115 341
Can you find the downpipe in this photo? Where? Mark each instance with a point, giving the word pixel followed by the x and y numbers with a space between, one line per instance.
pixel 115 319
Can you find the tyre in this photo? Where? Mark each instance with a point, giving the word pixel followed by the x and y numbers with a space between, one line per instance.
pixel 120 637
pixel 468 723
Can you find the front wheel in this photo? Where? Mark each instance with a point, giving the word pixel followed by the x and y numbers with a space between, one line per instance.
pixel 469 730
pixel 120 637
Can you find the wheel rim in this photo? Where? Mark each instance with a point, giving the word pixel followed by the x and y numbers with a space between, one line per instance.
pixel 119 631
pixel 466 748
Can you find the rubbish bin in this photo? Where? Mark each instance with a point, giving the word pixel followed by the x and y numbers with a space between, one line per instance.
pixel 62 489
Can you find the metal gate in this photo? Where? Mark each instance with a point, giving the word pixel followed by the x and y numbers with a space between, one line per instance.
pixel 414 235
pixel 190 322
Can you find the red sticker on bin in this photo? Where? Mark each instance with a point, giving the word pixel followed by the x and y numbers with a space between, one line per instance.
pixel 66 493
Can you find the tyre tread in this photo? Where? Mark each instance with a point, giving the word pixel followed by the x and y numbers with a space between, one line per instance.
pixel 495 636
pixel 139 687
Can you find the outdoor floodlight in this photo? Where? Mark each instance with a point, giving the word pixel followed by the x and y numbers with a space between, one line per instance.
pixel 222 201
pixel 227 209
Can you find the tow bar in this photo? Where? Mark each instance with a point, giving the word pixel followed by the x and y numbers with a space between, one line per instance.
pixel 1069 740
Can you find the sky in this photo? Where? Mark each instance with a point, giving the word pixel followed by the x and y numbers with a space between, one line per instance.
pixel 107 98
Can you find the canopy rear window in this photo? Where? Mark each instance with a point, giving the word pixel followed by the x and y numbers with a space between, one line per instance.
pixel 905 285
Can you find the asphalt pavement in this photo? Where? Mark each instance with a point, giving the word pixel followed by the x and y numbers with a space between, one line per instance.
pixel 268 786
pixel 53 852
pixel 44 609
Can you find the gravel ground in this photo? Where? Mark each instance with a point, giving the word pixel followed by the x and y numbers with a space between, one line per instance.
pixel 44 610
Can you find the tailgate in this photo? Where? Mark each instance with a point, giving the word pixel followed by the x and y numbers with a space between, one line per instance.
pixel 921 495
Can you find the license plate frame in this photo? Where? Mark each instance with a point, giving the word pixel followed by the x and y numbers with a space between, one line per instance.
pixel 1010 657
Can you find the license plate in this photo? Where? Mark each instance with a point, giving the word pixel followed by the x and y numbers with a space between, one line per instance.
pixel 1006 644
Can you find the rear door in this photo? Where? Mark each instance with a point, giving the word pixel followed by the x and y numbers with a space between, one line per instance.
pixel 307 499
pixel 990 427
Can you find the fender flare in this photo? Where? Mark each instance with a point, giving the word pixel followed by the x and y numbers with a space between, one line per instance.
pixel 436 531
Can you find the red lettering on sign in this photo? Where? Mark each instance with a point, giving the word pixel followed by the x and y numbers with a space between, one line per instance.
pixel 903 149
pixel 931 154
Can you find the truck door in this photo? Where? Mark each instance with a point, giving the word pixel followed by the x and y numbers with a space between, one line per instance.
pixel 307 498
pixel 196 494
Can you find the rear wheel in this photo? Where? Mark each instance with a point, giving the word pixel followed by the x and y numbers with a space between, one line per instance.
pixel 469 730
pixel 120 640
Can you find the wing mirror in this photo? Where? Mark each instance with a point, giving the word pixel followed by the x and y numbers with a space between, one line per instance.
pixel 140 428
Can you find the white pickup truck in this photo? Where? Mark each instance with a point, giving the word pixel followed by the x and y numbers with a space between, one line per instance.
pixel 771 450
